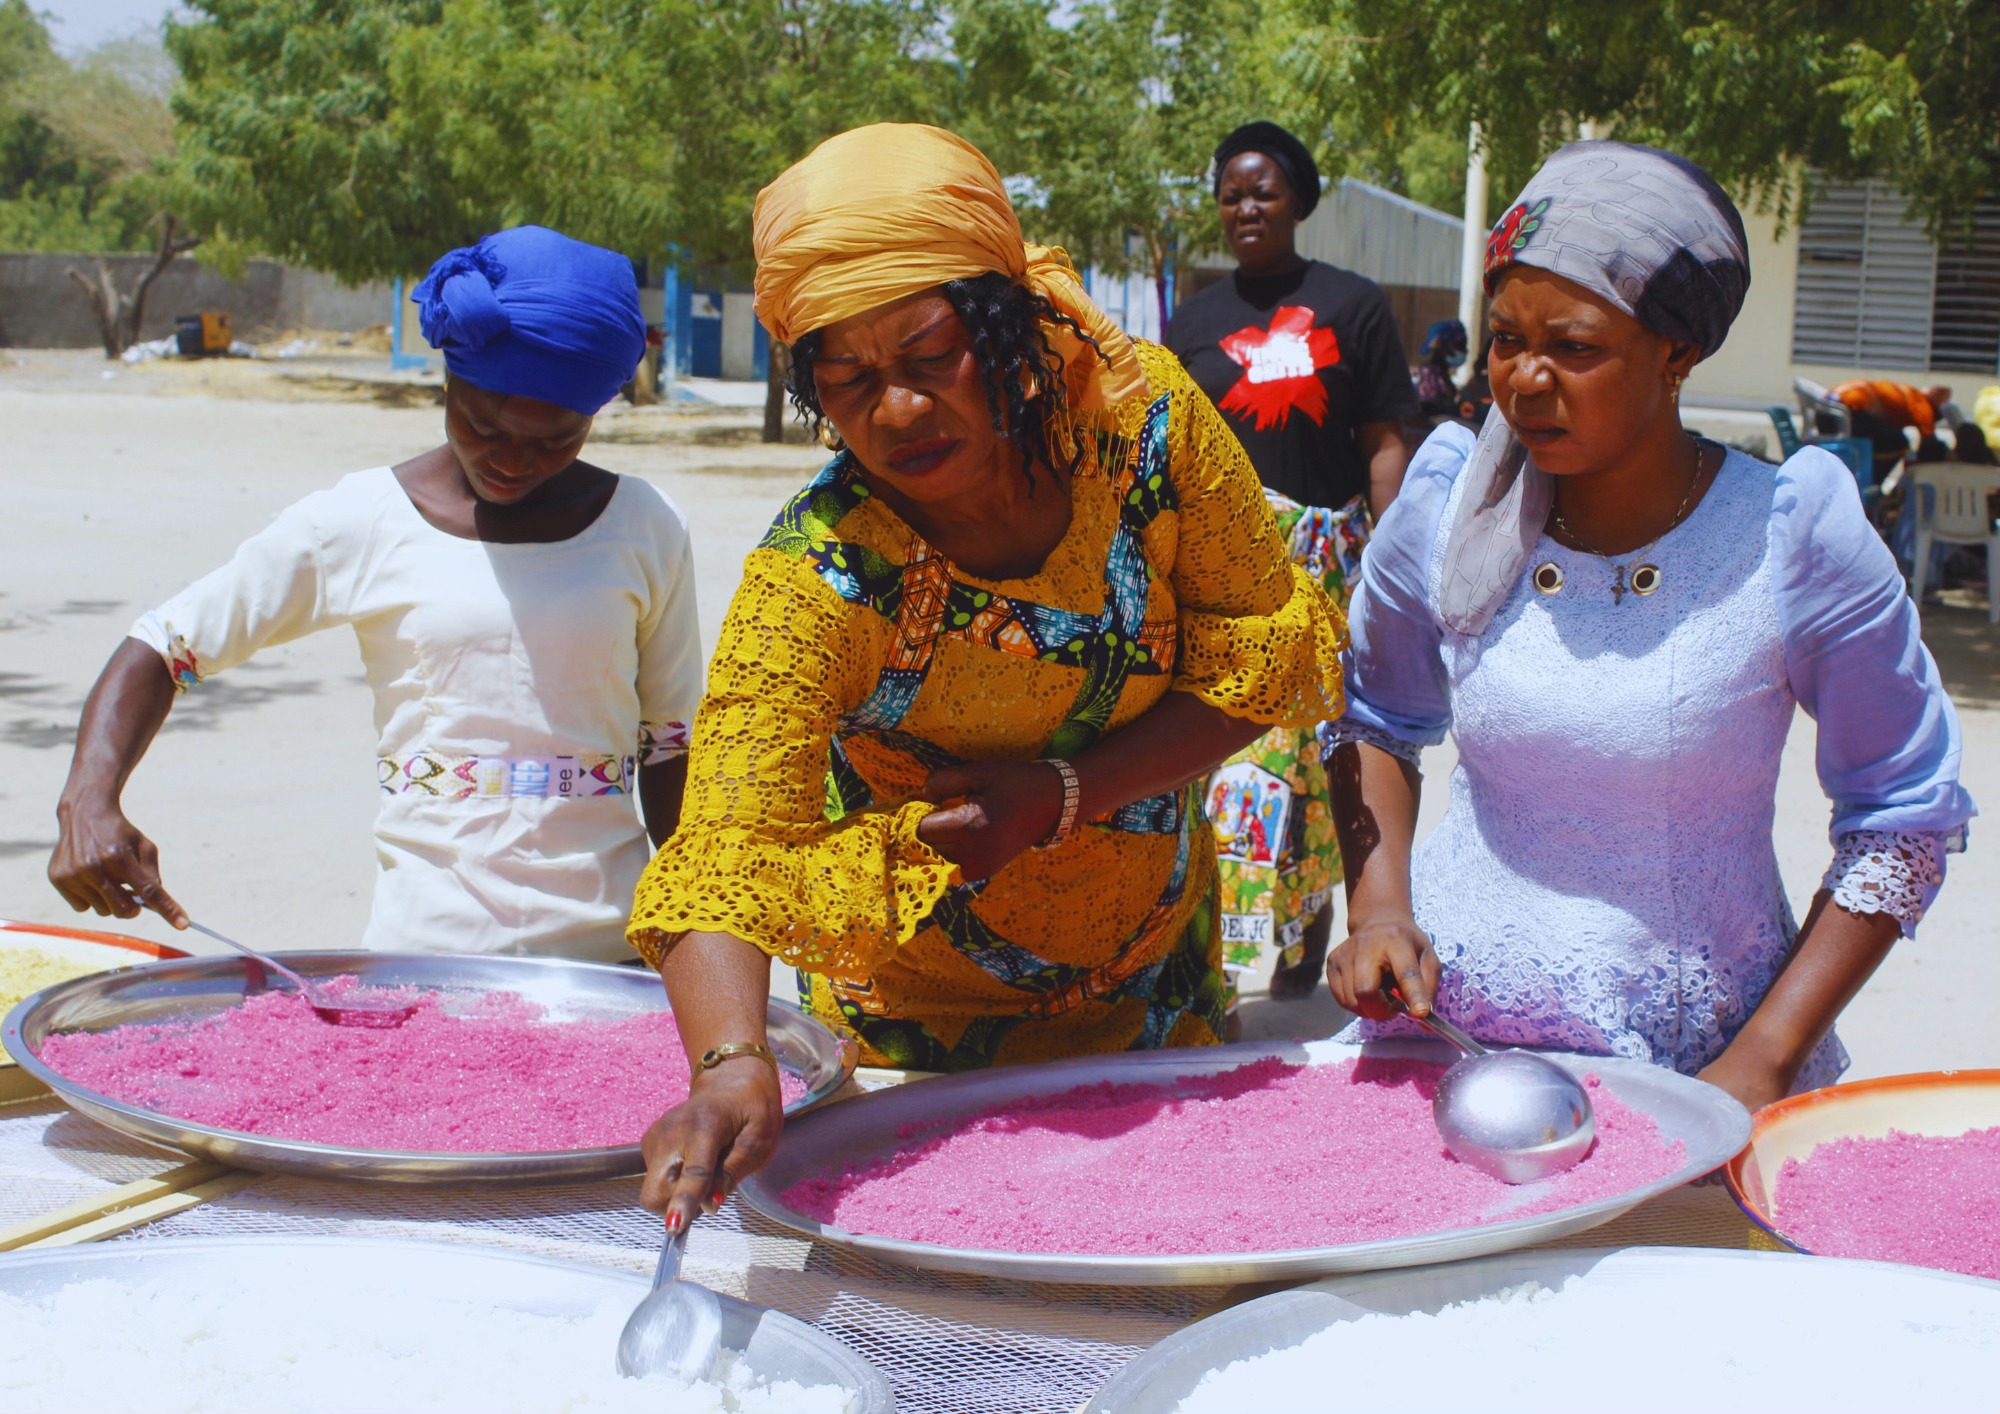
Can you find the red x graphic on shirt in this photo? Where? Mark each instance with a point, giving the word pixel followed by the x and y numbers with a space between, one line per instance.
pixel 1281 367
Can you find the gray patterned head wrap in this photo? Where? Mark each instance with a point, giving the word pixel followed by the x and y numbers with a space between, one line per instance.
pixel 1652 235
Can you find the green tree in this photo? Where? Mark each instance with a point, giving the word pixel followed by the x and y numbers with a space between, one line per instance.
pixel 79 142
pixel 1106 113
pixel 1760 92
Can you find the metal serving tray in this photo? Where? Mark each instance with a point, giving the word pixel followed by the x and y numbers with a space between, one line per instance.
pixel 1160 1379
pixel 1707 1121
pixel 197 987
pixel 291 1269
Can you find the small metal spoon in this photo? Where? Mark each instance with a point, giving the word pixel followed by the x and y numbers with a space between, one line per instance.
pixel 1513 1114
pixel 362 1011
pixel 677 1329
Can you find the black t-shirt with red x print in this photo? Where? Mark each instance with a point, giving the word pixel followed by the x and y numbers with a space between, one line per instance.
pixel 1297 362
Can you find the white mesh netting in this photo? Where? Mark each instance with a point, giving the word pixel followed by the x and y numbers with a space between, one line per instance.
pixel 51 1156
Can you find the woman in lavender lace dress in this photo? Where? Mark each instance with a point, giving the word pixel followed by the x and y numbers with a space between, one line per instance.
pixel 1616 620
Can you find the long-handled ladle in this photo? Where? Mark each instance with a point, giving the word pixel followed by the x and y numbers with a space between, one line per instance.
pixel 356 1011
pixel 677 1329
pixel 1513 1114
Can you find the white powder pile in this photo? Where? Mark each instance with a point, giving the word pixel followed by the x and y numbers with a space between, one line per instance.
pixel 339 1348
pixel 1635 1347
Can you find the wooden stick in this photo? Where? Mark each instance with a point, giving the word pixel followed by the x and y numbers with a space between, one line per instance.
pixel 18 1083
pixel 152 1210
pixel 39 1229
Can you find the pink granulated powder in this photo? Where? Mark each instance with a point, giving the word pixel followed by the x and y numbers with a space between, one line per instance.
pixel 1267 1157
pixel 496 1078
pixel 1921 1199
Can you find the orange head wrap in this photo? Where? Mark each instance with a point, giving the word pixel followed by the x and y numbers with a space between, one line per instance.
pixel 889 210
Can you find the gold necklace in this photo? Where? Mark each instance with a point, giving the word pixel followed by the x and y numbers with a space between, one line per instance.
pixel 1644 579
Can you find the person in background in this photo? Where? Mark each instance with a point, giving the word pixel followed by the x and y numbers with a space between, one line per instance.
pixel 1617 621
pixel 1882 410
pixel 526 622
pixel 1475 399
pixel 1307 367
pixel 1442 352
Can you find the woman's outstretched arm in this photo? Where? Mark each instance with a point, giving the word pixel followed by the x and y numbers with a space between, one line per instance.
pixel 1375 799
pixel 101 861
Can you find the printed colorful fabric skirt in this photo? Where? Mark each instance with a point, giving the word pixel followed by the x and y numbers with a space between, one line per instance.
pixel 1269 804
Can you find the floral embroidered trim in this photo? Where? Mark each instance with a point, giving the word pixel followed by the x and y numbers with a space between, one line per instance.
pixel 1346 730
pixel 450 777
pixel 662 741
pixel 1510 236
pixel 1878 871
pixel 182 665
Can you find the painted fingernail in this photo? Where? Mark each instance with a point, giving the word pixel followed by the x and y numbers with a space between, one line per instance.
pixel 717 1197
pixel 675 1222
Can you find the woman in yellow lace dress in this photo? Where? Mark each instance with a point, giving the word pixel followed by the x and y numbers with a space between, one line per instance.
pixel 944 765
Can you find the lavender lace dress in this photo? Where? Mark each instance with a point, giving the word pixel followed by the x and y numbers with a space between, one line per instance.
pixel 1604 880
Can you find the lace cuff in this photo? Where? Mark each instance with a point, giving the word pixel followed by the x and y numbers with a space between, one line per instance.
pixel 1281 669
pixel 662 741
pixel 1877 871
pixel 1347 730
pixel 839 899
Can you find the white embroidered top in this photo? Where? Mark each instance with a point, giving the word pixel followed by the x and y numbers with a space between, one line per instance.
pixel 495 668
pixel 1604 879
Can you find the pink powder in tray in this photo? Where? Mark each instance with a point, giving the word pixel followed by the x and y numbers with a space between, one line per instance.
pixel 1268 1157
pixel 494 1078
pixel 1924 1200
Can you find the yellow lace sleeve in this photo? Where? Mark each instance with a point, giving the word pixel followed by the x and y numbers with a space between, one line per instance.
pixel 1259 637
pixel 755 855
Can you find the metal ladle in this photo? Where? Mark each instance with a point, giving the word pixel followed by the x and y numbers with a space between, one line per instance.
pixel 677 1329
pixel 362 1011
pixel 1513 1114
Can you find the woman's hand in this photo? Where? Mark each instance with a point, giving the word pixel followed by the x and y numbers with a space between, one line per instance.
pixel 102 862
pixel 1753 1083
pixel 700 1150
pixel 991 812
pixel 1380 953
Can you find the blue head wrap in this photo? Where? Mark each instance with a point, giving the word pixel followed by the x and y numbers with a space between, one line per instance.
pixel 533 314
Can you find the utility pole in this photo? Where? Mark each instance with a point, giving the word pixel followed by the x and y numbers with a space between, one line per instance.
pixel 1472 260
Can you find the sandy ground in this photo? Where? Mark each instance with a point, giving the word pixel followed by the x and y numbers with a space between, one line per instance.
pixel 260 791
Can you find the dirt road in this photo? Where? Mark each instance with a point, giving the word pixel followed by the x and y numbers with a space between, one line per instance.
pixel 261 789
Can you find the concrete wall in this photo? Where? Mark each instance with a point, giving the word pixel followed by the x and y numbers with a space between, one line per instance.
pixel 41 307
pixel 1755 367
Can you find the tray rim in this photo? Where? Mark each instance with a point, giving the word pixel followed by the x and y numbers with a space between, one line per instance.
pixel 274 1154
pixel 761 1192
pixel 1128 1382
pixel 877 1397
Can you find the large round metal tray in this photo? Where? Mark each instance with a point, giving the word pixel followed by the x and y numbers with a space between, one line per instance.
pixel 293 1269
pixel 1157 1381
pixel 1711 1124
pixel 196 987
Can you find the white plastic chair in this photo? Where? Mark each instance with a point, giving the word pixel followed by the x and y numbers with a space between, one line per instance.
pixel 1959 511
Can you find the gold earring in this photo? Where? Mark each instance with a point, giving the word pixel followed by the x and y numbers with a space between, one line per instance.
pixel 829 438
pixel 1674 381
pixel 1031 387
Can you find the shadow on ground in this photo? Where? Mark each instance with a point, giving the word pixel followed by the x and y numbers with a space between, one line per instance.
pixel 1967 649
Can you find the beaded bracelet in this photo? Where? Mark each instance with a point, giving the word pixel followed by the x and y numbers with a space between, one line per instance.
pixel 1072 797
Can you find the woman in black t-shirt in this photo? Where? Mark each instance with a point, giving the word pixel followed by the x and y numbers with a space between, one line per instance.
pixel 1305 362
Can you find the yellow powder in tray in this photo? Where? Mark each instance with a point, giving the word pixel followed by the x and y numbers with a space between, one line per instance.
pixel 24 971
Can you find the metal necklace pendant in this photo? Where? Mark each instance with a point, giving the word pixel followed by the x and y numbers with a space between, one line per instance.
pixel 1644 579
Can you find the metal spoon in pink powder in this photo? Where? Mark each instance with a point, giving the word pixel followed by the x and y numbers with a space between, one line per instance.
pixel 354 1007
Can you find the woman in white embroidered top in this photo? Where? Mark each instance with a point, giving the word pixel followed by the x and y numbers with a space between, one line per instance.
pixel 1615 619
pixel 526 622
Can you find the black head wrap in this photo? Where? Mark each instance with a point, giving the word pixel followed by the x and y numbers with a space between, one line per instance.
pixel 1282 148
